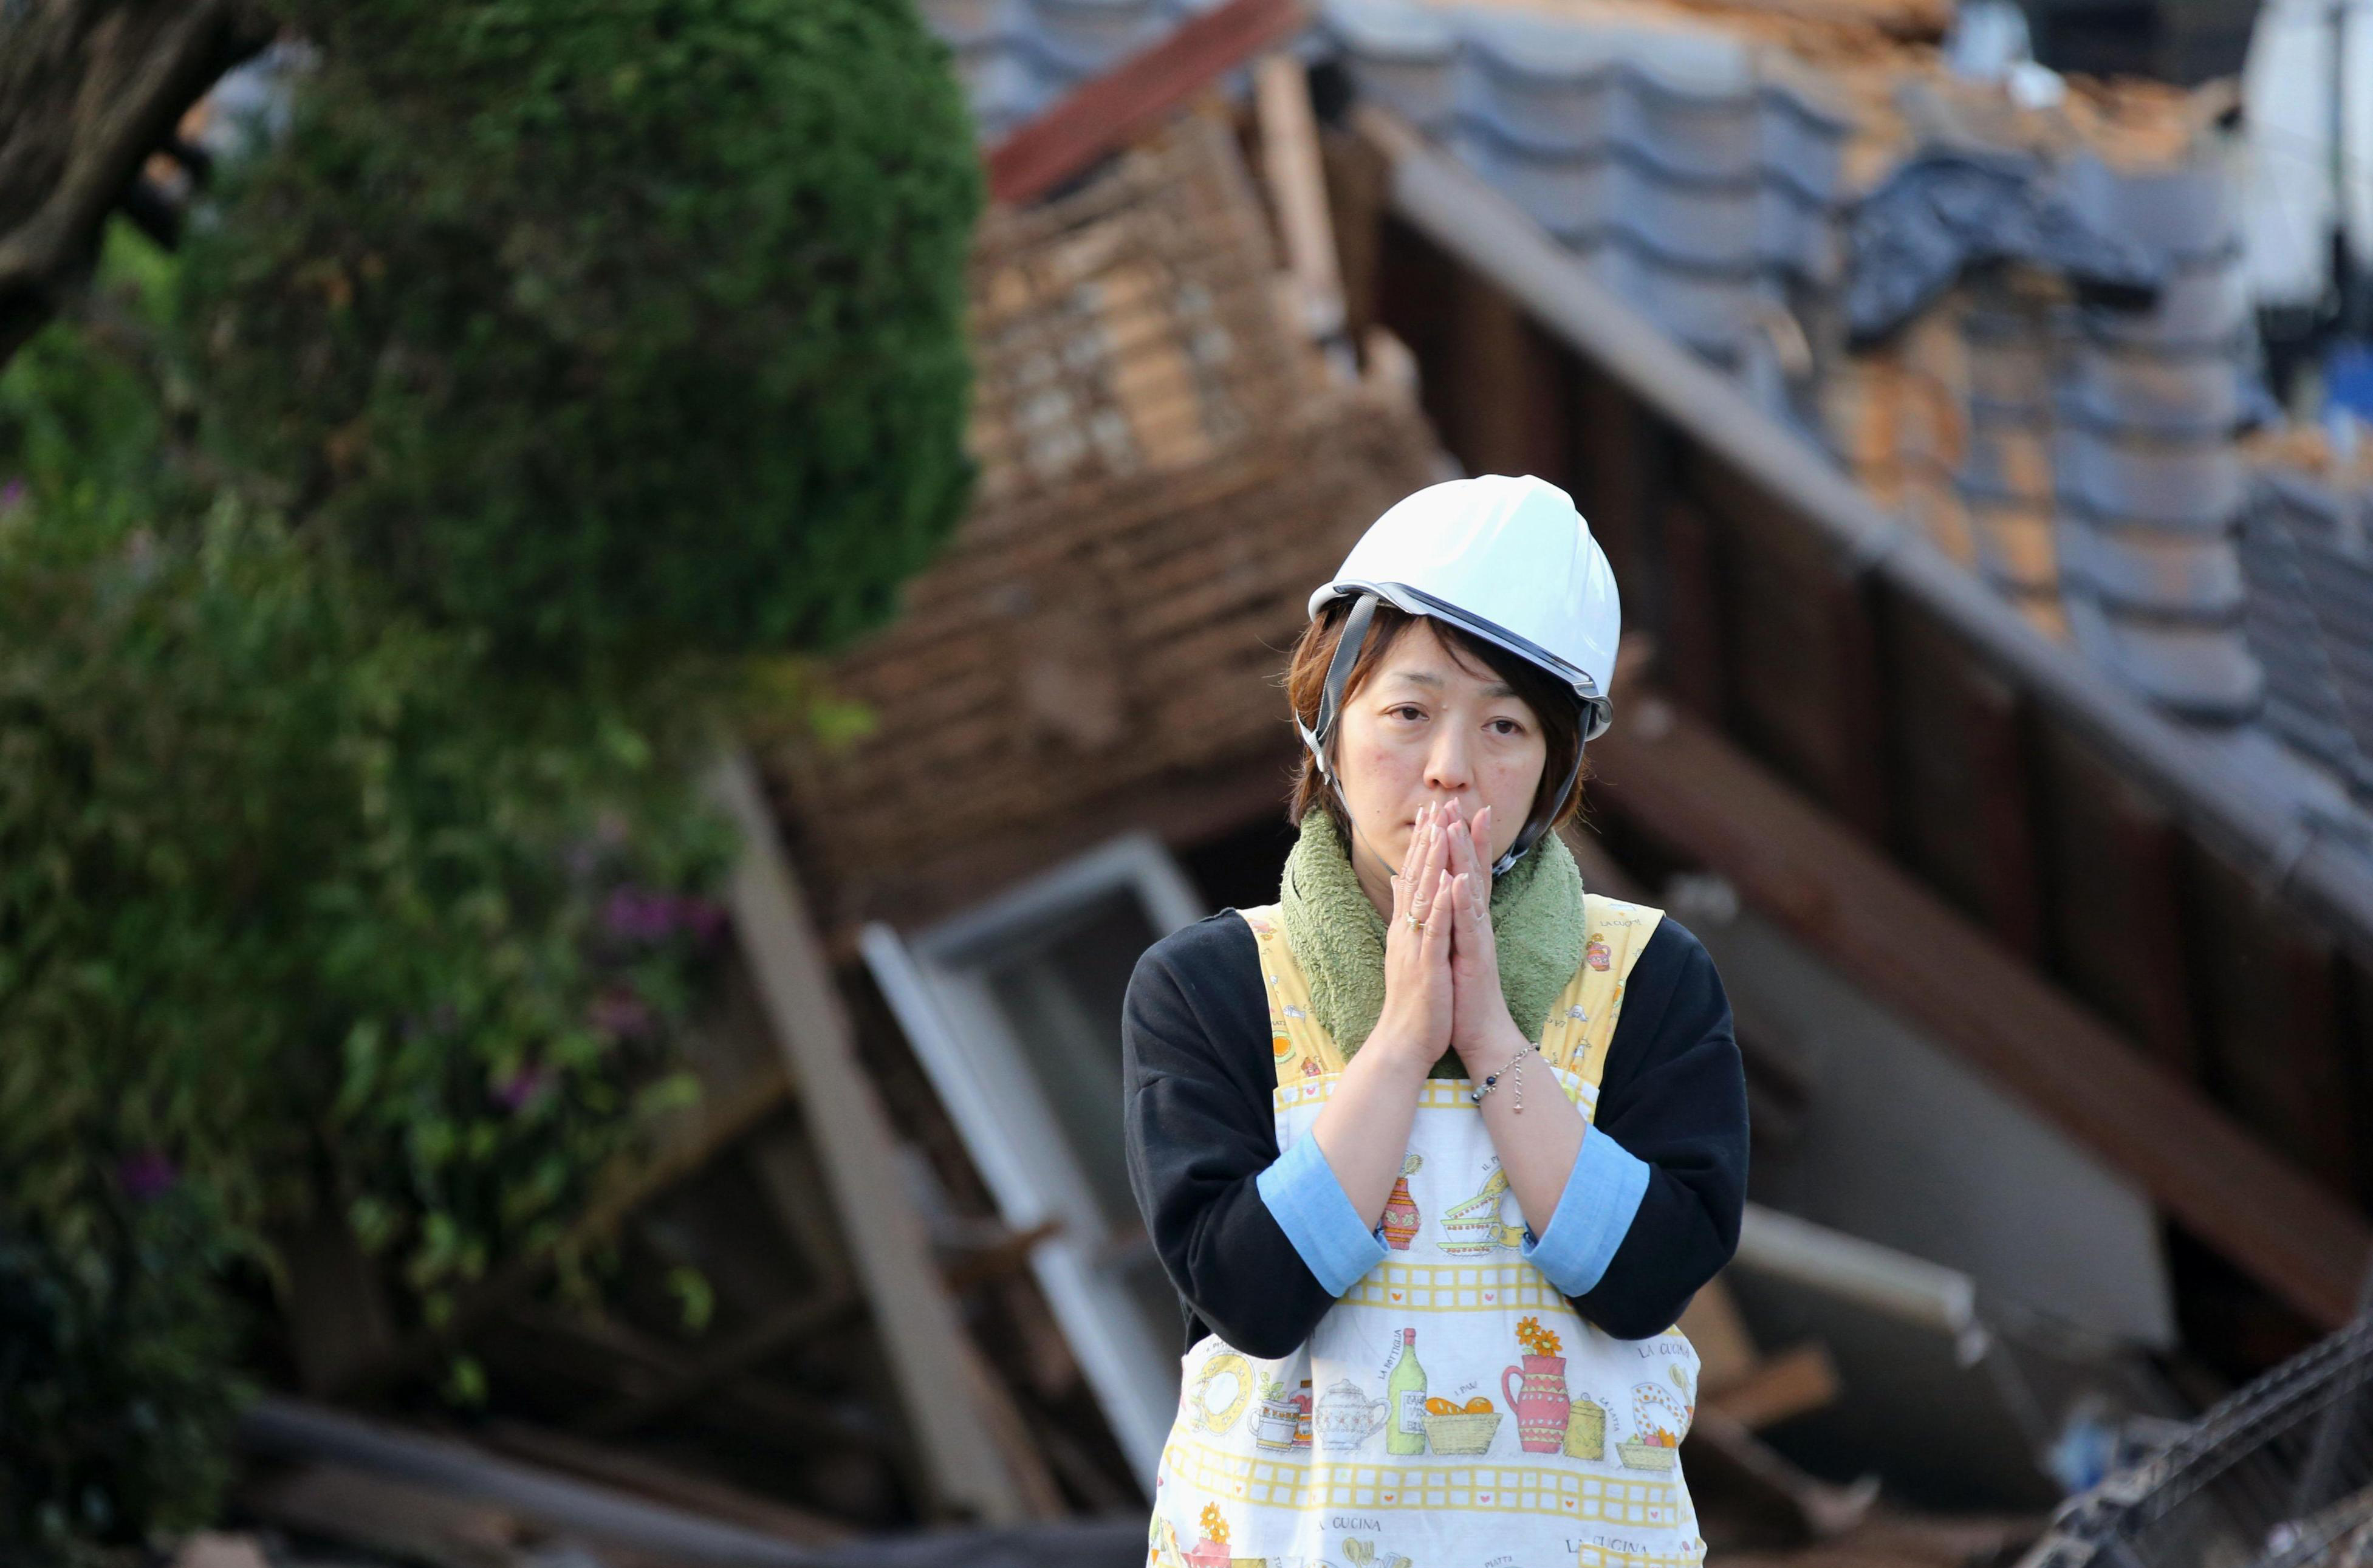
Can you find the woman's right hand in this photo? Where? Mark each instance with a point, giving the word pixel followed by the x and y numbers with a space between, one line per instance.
pixel 1414 1028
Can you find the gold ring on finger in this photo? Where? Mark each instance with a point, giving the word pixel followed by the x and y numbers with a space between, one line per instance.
pixel 1416 920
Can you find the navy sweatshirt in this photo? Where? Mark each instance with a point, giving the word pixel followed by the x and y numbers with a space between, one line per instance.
pixel 1196 1080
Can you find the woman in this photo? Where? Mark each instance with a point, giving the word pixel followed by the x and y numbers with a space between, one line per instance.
pixel 1436 1149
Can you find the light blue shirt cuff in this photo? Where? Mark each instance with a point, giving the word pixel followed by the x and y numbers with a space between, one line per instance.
pixel 1601 1196
pixel 1300 1190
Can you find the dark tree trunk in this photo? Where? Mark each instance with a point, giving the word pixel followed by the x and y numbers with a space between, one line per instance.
pixel 88 88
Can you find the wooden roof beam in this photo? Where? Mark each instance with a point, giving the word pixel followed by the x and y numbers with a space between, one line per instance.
pixel 1108 112
pixel 1679 781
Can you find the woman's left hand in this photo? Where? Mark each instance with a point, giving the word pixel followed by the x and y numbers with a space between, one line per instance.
pixel 1481 1031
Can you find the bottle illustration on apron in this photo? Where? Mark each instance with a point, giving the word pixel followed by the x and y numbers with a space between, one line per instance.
pixel 1401 1209
pixel 1405 1391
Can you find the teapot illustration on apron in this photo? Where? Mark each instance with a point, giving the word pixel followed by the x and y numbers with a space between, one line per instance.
pixel 1525 1437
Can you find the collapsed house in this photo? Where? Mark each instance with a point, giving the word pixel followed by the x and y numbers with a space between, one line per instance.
pixel 1957 793
pixel 2049 963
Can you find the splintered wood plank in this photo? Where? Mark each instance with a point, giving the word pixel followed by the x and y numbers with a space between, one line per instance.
pixel 2115 900
pixel 1679 782
pixel 1297 185
pixel 922 1336
pixel 637 1473
pixel 1961 779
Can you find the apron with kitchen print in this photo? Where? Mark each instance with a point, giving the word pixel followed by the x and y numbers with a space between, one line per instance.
pixel 1451 1409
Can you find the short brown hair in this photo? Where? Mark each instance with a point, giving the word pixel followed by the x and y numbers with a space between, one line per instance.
pixel 1550 699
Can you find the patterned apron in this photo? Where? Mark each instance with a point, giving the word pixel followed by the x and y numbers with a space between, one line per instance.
pixel 1515 1434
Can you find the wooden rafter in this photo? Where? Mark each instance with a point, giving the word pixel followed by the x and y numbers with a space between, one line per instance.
pixel 1679 781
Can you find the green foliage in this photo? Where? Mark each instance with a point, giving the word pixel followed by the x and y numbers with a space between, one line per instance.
pixel 375 580
pixel 294 886
pixel 607 327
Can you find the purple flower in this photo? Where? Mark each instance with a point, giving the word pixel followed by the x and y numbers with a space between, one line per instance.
pixel 146 1175
pixel 634 914
pixel 514 1094
pixel 645 917
pixel 12 495
pixel 621 1013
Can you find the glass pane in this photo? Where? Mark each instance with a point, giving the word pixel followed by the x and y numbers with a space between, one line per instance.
pixel 1059 986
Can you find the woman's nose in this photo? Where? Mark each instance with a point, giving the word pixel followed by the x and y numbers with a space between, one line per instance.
pixel 1446 763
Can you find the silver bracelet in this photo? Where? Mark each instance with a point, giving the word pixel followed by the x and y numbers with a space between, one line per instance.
pixel 1491 1083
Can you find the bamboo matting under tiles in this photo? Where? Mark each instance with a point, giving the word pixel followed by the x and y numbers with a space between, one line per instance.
pixel 1058 669
pixel 1129 328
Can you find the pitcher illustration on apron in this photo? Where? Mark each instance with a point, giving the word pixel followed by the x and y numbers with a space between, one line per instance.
pixel 1466 1416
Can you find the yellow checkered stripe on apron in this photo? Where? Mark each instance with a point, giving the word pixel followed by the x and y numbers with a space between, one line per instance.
pixel 1564 1493
pixel 1457 1287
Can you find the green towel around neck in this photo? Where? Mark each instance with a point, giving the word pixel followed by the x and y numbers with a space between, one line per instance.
pixel 1338 938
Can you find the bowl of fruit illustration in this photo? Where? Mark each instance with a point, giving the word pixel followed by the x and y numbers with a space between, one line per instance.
pixel 1452 1428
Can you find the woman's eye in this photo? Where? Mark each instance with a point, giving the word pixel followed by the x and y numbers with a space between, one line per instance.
pixel 1409 712
pixel 1506 726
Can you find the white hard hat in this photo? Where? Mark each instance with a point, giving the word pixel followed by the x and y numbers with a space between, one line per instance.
pixel 1509 560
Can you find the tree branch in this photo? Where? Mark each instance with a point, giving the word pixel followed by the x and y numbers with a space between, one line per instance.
pixel 88 88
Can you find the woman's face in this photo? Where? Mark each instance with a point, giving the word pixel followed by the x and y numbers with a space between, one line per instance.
pixel 1430 726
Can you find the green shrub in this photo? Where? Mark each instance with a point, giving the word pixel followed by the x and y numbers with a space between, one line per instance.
pixel 294 886
pixel 303 896
pixel 609 327
pixel 374 579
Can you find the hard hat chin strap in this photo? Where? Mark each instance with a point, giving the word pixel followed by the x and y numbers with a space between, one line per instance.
pixel 1339 675
pixel 1330 710
pixel 1540 823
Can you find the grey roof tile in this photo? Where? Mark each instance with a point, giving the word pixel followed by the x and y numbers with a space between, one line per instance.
pixel 2194 486
pixel 2202 672
pixel 1404 57
pixel 1583 199
pixel 2203 308
pixel 1695 187
pixel 964 22
pixel 2321 535
pixel 1080 37
pixel 2152 572
pixel 2135 388
pixel 2187 214
pixel 1714 312
pixel 2303 692
pixel 1000 83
